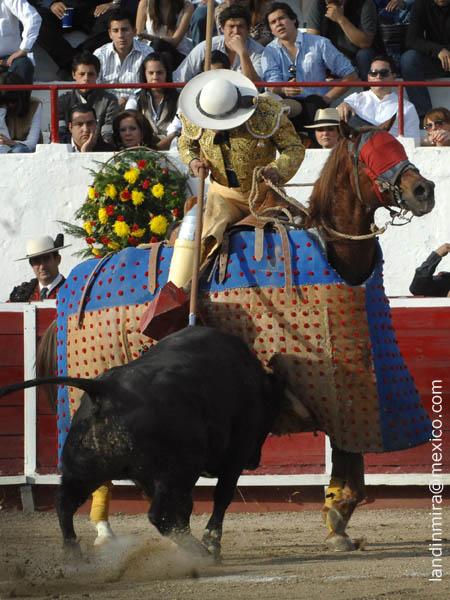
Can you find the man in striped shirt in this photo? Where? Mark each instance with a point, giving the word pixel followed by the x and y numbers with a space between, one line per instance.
pixel 121 58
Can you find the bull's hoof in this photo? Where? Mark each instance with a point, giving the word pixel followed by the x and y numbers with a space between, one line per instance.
pixel 105 534
pixel 339 543
pixel 72 552
pixel 335 520
pixel 211 539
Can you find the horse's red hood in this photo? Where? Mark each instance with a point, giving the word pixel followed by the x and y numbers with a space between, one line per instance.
pixel 381 152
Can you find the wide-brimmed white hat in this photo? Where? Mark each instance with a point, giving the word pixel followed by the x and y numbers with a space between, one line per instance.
pixel 44 245
pixel 219 99
pixel 324 117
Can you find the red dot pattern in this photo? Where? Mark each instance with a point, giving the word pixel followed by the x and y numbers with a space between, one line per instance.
pixel 319 339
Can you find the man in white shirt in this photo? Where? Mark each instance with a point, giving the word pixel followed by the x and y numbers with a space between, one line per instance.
pixel 120 60
pixel 378 104
pixel 244 53
pixel 16 47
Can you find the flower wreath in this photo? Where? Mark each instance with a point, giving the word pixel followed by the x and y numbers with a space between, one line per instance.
pixel 133 198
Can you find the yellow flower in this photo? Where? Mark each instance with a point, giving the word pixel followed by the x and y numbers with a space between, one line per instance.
pixel 102 215
pixel 88 227
pixel 91 193
pixel 138 233
pixel 96 252
pixel 131 175
pixel 158 190
pixel 110 191
pixel 159 224
pixel 114 245
pixel 121 229
pixel 137 197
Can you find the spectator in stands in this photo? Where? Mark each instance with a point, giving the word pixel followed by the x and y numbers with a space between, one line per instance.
pixel 428 38
pixel 85 70
pixel 131 128
pixel 351 25
pixel 165 24
pixel 20 117
pixel 425 283
pixel 158 105
pixel 243 52
pixel 121 58
pixel 437 123
pixel 297 56
pixel 326 127
pixel 220 60
pixel 259 30
pixel 84 130
pixel 378 104
pixel 19 29
pixel 89 16
pixel 44 258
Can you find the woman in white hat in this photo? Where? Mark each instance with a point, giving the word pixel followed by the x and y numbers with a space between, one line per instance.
pixel 235 131
pixel 326 127
pixel 44 258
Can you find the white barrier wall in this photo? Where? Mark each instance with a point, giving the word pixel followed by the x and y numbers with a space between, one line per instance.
pixel 39 189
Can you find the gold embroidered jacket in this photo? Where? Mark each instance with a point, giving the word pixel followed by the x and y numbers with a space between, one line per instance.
pixel 253 144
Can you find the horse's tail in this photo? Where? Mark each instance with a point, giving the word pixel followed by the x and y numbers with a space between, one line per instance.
pixel 46 364
pixel 93 387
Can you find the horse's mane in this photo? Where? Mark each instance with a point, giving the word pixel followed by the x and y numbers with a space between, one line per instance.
pixel 324 189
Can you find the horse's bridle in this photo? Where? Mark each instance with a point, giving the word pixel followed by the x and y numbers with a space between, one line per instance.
pixel 387 181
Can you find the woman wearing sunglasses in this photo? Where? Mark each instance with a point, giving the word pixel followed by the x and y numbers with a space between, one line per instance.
pixel 130 129
pixel 437 123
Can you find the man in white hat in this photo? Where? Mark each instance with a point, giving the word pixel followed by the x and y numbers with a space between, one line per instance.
pixel 235 131
pixel 326 127
pixel 43 255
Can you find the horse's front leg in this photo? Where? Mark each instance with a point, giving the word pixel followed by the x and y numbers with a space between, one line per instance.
pixel 345 491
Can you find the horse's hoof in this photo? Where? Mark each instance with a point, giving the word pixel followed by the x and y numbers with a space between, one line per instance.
pixel 339 543
pixel 105 534
pixel 335 520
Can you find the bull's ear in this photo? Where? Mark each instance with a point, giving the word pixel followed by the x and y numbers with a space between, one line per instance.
pixel 347 130
pixel 386 126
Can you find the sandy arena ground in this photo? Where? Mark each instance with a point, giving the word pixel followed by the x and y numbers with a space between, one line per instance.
pixel 265 556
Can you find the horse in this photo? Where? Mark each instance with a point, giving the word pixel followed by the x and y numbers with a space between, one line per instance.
pixel 307 298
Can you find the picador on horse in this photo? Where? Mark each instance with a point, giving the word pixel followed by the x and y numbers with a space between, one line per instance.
pixel 302 287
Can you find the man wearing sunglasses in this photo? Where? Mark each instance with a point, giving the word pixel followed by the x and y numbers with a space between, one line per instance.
pixel 379 103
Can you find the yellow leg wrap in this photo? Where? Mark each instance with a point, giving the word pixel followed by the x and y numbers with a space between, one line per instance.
pixel 334 492
pixel 100 503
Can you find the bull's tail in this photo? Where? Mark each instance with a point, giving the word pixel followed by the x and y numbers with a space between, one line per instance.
pixel 92 386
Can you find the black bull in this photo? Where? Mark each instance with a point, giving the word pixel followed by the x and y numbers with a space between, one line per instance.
pixel 197 403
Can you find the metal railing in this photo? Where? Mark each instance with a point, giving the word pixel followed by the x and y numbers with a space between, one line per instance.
pixel 54 88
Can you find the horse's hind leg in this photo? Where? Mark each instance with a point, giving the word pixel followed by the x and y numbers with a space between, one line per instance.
pixel 99 514
pixel 345 491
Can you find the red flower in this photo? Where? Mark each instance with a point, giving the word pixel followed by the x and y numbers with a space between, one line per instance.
pixel 90 240
pixel 96 194
pixel 165 171
pixel 141 164
pixel 133 241
pixel 145 184
pixel 175 212
pixel 125 195
pixel 120 218
pixel 135 227
pixel 105 240
pixel 92 223
pixel 174 193
pixel 153 240
pixel 109 210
